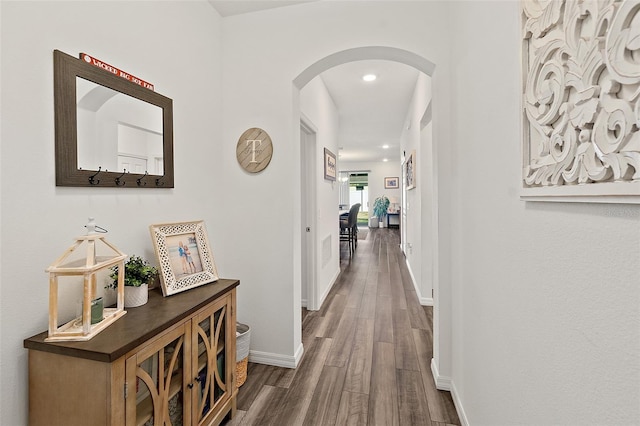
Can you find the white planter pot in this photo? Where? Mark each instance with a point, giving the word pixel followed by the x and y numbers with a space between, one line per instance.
pixel 135 296
pixel 380 224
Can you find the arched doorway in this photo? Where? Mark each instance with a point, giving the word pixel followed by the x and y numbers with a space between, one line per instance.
pixel 427 67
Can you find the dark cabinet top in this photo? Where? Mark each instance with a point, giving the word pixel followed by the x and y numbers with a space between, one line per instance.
pixel 138 325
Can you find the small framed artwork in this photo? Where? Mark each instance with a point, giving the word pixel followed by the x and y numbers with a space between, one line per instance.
pixel 410 170
pixel 329 165
pixel 184 256
pixel 391 183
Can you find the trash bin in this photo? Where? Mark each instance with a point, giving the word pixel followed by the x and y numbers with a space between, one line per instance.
pixel 243 335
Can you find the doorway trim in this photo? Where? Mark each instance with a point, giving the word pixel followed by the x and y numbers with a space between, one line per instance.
pixel 442 303
pixel 308 214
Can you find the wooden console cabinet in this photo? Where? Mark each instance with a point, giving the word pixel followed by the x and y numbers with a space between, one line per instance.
pixel 171 361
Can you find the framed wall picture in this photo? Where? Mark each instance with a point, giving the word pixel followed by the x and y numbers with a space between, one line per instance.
pixel 330 167
pixel 184 256
pixel 410 170
pixel 391 183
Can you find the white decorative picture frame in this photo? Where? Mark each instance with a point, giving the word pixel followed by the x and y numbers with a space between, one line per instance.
pixel 410 170
pixel 184 256
pixel 581 101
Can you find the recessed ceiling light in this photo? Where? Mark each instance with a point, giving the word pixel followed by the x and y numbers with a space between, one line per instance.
pixel 385 146
pixel 385 160
pixel 369 77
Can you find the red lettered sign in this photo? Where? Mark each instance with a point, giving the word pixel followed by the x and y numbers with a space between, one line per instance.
pixel 98 63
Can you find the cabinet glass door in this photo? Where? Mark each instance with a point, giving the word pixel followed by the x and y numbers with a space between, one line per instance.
pixel 213 381
pixel 156 383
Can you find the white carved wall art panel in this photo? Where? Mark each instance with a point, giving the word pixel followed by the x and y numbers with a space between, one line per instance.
pixel 581 100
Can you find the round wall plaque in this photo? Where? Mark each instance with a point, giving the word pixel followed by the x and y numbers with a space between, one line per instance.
pixel 254 150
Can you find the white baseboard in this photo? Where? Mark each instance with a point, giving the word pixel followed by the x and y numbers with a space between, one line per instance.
pixel 277 360
pixel 324 295
pixel 303 303
pixel 445 383
pixel 442 382
pixel 458 403
pixel 424 301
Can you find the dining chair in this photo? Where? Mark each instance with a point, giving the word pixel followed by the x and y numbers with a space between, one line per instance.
pixel 349 228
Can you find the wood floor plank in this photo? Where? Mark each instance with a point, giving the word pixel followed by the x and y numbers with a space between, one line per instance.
pixel 359 369
pixel 256 376
pixel 370 293
pixel 334 315
pixel 354 299
pixel 384 288
pixel 383 397
pixel 343 339
pixel 441 407
pixel 368 306
pixel 314 326
pixel 237 419
pixel 405 347
pixel 353 411
pixel 412 401
pixel 303 386
pixel 280 377
pixel 383 258
pixel 383 320
pixel 397 289
pixel 325 403
pixel 264 407
pixel 321 329
pixel 417 314
pixel 428 310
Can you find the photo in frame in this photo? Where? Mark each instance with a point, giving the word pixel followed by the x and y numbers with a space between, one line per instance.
pixel 410 170
pixel 330 166
pixel 391 183
pixel 184 256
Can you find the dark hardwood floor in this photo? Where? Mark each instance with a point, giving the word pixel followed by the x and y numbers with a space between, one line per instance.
pixel 367 353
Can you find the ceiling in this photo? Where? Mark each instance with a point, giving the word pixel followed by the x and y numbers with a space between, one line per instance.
pixel 372 114
pixel 237 7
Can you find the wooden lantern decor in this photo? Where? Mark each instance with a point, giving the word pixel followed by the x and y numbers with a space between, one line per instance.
pixel 81 260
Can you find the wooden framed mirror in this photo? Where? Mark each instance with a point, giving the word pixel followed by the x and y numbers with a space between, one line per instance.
pixel 109 131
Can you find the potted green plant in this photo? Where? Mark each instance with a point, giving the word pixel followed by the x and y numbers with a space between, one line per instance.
pixel 138 274
pixel 380 207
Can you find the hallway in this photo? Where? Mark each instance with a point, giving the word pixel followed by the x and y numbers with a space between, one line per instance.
pixel 367 353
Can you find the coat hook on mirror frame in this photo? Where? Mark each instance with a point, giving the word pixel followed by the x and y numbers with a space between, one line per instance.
pixel 159 181
pixel 93 181
pixel 139 180
pixel 124 171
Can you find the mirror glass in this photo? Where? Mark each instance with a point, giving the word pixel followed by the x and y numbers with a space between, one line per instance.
pixel 116 131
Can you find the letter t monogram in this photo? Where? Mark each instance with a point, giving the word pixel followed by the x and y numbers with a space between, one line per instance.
pixel 253 148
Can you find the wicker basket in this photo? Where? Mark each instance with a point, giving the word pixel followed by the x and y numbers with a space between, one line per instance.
pixel 243 334
pixel 241 372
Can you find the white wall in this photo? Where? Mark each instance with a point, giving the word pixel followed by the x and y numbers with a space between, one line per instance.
pixel 316 104
pixel 419 201
pixel 38 220
pixel 377 172
pixel 545 296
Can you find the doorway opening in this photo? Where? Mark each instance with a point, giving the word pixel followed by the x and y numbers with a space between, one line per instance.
pixel 359 193
pixel 442 331
pixel 354 188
